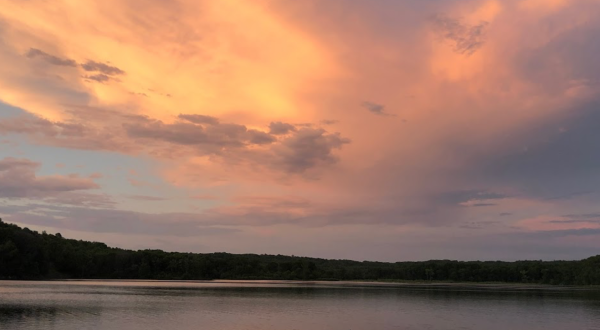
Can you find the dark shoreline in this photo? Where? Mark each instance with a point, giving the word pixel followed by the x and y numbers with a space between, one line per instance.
pixel 481 287
pixel 29 255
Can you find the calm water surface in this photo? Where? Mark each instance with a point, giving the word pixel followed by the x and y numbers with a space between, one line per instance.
pixel 285 305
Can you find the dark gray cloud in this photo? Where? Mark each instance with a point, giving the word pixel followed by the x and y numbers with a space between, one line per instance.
pixel 375 108
pixel 308 148
pixel 200 119
pixel 100 129
pixel 54 60
pixel 463 196
pixel 71 129
pixel 100 77
pixel 104 71
pixel 305 149
pixel 570 195
pixel 466 39
pixel 279 128
pixel 575 221
pixel 556 158
pixel 18 180
pixel 178 133
pixel 483 204
pixel 584 216
pixel 188 134
pixel 258 137
pixel 556 162
pixel 93 66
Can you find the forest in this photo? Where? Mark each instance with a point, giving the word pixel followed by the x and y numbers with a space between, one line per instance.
pixel 29 255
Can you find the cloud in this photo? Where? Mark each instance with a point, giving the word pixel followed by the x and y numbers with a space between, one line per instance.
pixel 479 224
pixel 576 221
pixel 246 211
pixel 570 195
pixel 308 148
pixel 117 221
pixel 513 112
pixel 305 149
pixel 482 204
pixel 204 197
pixel 18 180
pixel 105 72
pixel 279 128
pixel 579 220
pixel 81 134
pixel 564 164
pixel 200 119
pixel 81 199
pixel 214 137
pixel 98 77
pixel 466 196
pixel 102 68
pixel 583 216
pixel 297 151
pixel 574 49
pixel 260 138
pixel 375 108
pixel 36 53
pixel 147 198
pixel 466 39
pixel 563 233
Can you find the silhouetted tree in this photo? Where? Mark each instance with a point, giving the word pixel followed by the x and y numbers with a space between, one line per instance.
pixel 27 254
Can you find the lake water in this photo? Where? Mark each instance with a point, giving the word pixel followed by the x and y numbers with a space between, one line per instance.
pixel 228 305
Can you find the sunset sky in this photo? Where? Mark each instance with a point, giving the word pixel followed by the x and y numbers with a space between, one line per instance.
pixel 355 129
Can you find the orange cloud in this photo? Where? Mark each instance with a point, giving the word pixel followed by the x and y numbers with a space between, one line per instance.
pixel 543 5
pixel 461 83
pixel 215 58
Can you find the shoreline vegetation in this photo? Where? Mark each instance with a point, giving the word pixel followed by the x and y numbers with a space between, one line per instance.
pixel 29 255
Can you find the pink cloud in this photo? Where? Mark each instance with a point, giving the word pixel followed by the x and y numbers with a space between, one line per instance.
pixel 548 223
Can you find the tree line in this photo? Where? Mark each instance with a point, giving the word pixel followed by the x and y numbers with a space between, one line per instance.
pixel 28 254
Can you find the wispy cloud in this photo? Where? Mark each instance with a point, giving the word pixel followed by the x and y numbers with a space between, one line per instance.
pixel 54 60
pixel 375 108
pixel 466 39
pixel 103 68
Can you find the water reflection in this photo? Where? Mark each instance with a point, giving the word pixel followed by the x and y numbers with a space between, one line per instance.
pixel 231 305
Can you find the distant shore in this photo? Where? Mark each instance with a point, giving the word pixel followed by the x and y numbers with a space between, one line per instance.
pixel 29 255
pixel 462 286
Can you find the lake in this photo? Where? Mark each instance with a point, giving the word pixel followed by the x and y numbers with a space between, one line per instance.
pixel 224 305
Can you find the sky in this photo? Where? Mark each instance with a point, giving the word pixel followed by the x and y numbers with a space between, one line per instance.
pixel 348 129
